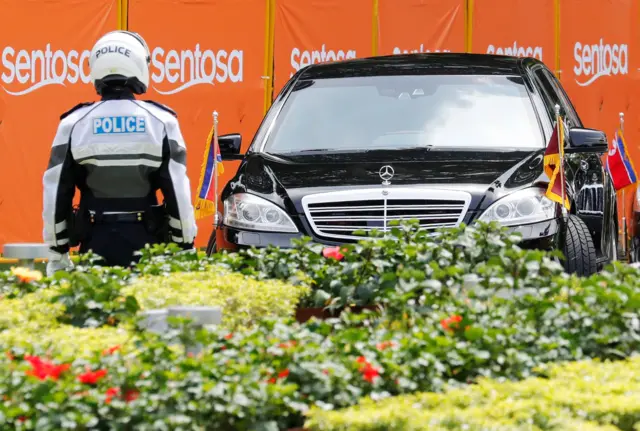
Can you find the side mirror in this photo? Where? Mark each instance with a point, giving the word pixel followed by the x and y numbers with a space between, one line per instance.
pixel 587 141
pixel 230 146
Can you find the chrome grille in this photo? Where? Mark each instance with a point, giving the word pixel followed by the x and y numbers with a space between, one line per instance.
pixel 340 214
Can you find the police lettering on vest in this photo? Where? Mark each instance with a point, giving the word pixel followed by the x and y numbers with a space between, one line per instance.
pixel 113 48
pixel 112 125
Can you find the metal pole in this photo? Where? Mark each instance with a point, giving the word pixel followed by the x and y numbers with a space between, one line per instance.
pixel 624 205
pixel 215 172
pixel 561 151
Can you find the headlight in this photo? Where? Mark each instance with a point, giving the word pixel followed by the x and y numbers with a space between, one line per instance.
pixel 523 207
pixel 247 211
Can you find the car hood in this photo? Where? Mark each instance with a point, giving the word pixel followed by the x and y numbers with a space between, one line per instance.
pixel 284 179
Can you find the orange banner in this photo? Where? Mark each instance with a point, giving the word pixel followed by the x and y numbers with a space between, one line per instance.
pixel 44 71
pixel 596 62
pixel 514 27
pixel 319 31
pixel 206 56
pixel 416 26
pixel 600 68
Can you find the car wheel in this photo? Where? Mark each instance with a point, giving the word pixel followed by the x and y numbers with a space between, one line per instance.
pixel 211 245
pixel 634 252
pixel 579 250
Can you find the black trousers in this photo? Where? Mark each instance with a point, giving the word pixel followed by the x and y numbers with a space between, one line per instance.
pixel 116 243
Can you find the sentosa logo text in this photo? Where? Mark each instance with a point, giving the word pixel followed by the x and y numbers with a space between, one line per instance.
pixel 300 59
pixel 420 50
pixel 172 71
pixel 517 51
pixel 187 68
pixel 595 61
pixel 37 68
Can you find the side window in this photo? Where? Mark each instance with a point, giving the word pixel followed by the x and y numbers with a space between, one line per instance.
pixel 566 104
pixel 553 95
pixel 548 93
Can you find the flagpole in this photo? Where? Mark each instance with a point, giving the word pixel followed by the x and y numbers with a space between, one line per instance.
pixel 624 205
pixel 215 172
pixel 561 151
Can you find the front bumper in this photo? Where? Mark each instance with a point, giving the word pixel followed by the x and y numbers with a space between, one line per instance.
pixel 542 236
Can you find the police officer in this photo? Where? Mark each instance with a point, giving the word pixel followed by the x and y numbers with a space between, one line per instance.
pixel 118 152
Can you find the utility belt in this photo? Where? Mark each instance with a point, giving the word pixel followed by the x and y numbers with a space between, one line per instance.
pixel 154 219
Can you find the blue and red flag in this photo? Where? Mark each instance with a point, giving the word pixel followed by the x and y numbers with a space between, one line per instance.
pixel 619 165
pixel 205 204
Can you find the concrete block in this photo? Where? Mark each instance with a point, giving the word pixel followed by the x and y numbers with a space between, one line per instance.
pixel 155 321
pixel 201 315
pixel 26 251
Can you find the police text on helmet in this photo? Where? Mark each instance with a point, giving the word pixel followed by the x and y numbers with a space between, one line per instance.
pixel 187 68
pixel 37 68
pixel 517 51
pixel 113 49
pixel 598 60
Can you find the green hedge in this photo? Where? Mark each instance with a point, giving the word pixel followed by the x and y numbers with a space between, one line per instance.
pixel 465 304
pixel 91 309
pixel 576 396
pixel 243 300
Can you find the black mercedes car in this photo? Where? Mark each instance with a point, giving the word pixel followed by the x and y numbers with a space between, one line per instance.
pixel 442 138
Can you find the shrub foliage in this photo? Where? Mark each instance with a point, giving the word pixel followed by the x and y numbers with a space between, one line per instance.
pixel 454 308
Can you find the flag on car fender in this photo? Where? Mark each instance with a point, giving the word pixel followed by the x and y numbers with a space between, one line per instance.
pixel 206 197
pixel 553 166
pixel 619 165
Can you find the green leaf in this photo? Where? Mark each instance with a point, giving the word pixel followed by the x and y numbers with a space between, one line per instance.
pixel 474 333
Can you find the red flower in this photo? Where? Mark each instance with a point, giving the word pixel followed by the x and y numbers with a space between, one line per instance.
pixel 451 323
pixel 385 344
pixel 22 418
pixel 10 355
pixel 92 377
pixel 111 350
pixel 131 395
pixel 332 252
pixel 283 374
pixel 228 336
pixel 111 392
pixel 326 372
pixel 369 372
pixel 43 369
pixel 288 344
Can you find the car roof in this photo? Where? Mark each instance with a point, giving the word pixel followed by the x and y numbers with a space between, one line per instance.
pixel 421 64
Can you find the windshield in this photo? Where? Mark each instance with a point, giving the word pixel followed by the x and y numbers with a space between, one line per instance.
pixel 406 111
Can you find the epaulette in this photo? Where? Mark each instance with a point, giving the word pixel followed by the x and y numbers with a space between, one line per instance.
pixel 75 108
pixel 163 107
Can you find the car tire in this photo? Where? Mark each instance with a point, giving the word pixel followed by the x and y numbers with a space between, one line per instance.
pixel 579 250
pixel 211 245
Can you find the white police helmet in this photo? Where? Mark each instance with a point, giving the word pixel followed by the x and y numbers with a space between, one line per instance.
pixel 120 57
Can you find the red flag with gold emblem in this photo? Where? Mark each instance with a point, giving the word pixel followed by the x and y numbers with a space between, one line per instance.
pixel 553 166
